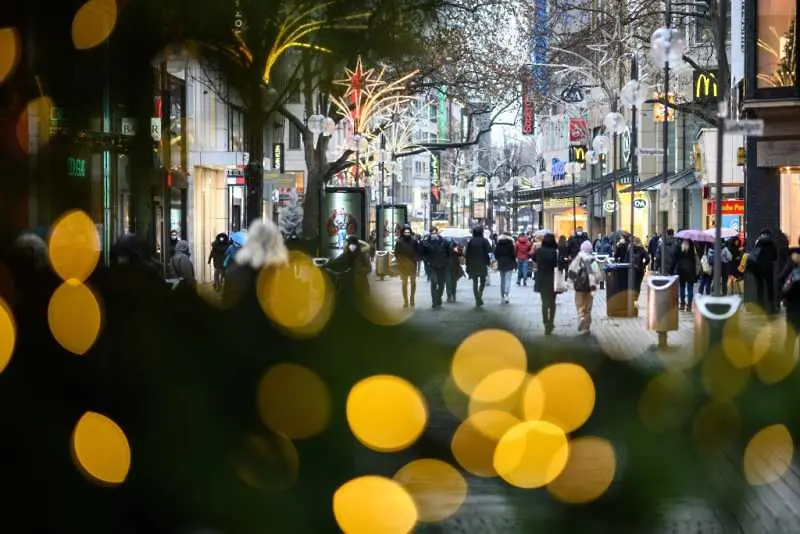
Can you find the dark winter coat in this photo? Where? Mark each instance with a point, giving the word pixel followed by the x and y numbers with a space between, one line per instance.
pixel 640 258
pixel 477 256
pixel 792 298
pixel 685 265
pixel 574 244
pixel 406 251
pixel 436 251
pixel 218 249
pixel 671 249
pixel 763 258
pixel 182 263
pixel 546 263
pixel 604 246
pixel 504 253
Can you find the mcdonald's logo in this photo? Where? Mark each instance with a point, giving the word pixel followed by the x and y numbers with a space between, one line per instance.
pixel 705 85
pixel 577 153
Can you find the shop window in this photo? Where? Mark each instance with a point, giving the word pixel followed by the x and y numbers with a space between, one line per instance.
pixel 776 60
pixel 790 200
pixel 294 137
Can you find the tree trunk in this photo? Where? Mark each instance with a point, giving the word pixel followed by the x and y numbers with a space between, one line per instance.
pixel 254 171
pixel 317 164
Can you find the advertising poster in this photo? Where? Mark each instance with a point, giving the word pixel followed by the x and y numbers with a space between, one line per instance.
pixel 391 218
pixel 343 214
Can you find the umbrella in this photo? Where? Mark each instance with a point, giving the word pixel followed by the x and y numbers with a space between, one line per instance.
pixel 239 238
pixel 543 232
pixel 727 233
pixel 455 233
pixel 698 236
pixel 619 234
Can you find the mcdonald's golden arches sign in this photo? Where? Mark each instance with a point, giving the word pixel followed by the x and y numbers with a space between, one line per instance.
pixel 705 86
pixel 577 153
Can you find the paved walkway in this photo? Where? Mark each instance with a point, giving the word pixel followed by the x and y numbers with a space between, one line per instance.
pixel 772 508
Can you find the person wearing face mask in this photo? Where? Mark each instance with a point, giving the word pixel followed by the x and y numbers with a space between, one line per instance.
pixel 355 259
pixel 574 243
pixel 406 250
pixel 685 266
pixel 436 252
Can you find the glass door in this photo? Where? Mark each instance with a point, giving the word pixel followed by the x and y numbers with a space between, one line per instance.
pixel 790 207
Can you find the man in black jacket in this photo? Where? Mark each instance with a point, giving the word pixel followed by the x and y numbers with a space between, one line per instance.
pixel 761 263
pixel 574 243
pixel 436 252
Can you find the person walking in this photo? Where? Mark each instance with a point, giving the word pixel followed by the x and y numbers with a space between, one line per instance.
pixel 583 273
pixel 640 259
pixel 436 251
pixel 685 266
pixel 477 256
pixel 523 249
pixel 575 241
pixel 217 256
pixel 506 259
pixel 546 258
pixel 761 263
pixel 406 250
pixel 182 266
pixel 706 270
pixel 454 271
pixel 790 293
pixel 563 255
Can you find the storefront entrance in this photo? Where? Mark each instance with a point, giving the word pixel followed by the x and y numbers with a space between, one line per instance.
pixel 790 207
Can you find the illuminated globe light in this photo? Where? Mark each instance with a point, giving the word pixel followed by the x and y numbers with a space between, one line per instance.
pixel 37 109
pixel 10 52
pixel 438 489
pixel 715 426
pixel 779 362
pixel 475 440
pixel 531 454
pixel 374 505
pixel 562 394
pixel 93 23
pixel 590 470
pixel 314 123
pixel 328 126
pixel 359 143
pixel 721 380
pixel 486 352
pixel 600 144
pixel 615 123
pixel 8 335
pixel 75 317
pixel 74 246
pixel 386 413
pixel 294 401
pixel 268 462
pixel 666 402
pixel 667 45
pixel 494 388
pixel 100 449
pixel 296 296
pixel 633 94
pixel 768 455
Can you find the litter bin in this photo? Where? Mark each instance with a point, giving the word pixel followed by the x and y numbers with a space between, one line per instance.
pixel 382 264
pixel 662 306
pixel 715 318
pixel 617 290
pixel 602 260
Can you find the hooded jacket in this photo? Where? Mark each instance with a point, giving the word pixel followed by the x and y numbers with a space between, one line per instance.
pixel 585 259
pixel 182 263
pixel 523 248
pixel 504 253
pixel 218 249
pixel 477 254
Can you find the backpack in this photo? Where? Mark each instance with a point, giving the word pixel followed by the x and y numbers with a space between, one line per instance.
pixel 792 283
pixel 581 282
pixel 705 265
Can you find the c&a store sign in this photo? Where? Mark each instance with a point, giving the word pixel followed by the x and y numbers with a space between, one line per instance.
pixel 729 207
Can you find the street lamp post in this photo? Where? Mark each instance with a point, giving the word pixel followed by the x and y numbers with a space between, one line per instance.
pixel 380 223
pixel 574 201
pixel 634 164
pixel 721 116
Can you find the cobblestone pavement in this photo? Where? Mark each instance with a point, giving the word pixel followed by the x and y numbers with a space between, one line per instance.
pixel 772 508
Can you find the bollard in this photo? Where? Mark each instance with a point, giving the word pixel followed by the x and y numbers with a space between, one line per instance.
pixel 617 290
pixel 382 264
pixel 662 306
pixel 711 317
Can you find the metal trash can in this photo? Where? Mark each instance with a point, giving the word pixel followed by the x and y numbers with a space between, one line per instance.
pixel 662 306
pixel 715 317
pixel 617 290
pixel 321 262
pixel 382 264
pixel 602 260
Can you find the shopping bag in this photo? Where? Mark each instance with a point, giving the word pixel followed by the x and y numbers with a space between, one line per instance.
pixel 560 283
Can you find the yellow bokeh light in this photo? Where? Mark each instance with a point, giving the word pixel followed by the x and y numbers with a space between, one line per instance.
pixel 484 353
pixel 74 246
pixel 715 426
pixel 10 52
pixel 93 23
pixel 101 449
pixel 8 335
pixel 438 489
pixel 454 399
pixel 294 401
pixel 381 311
pixel 779 362
pixel 268 463
pixel 495 387
pixel 475 441
pixel 562 394
pixel 531 454
pixel 768 455
pixel 765 340
pixel 666 402
pixel 296 296
pixel 374 505
pixel 590 471
pixel 722 380
pixel 38 111
pixel 74 316
pixel 386 413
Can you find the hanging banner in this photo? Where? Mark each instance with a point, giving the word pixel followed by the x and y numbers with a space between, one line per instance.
pixel 442 115
pixel 527 107
pixel 436 182
pixel 578 131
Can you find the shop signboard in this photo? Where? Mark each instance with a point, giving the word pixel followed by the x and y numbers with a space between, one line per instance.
pixel 705 84
pixel 733 207
pixel 344 214
pixel 609 206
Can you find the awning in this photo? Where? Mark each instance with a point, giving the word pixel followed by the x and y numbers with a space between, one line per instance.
pixel 682 180
pixel 659 179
